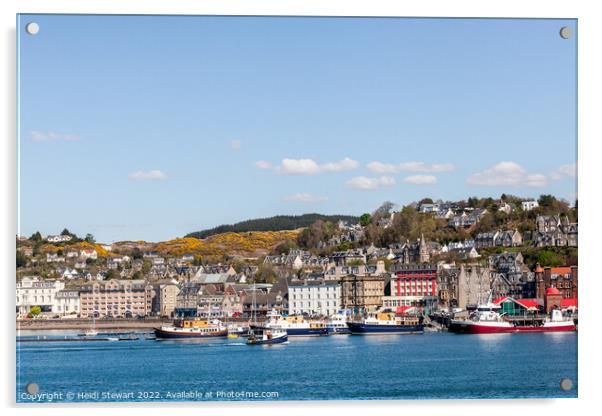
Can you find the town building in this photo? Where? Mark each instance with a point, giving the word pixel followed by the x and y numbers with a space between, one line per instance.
pixel 412 285
pixel 67 302
pixel 314 297
pixel 165 299
pixel 362 292
pixel 32 291
pixel 474 286
pixel 116 298
pixel 529 205
pixel 564 279
pixel 511 277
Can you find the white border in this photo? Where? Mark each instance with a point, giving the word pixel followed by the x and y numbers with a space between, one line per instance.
pixel 590 34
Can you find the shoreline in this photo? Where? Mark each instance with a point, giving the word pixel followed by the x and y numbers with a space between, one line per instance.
pixel 40 325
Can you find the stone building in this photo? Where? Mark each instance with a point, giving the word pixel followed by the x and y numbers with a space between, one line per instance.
pixel 116 298
pixel 511 277
pixel 165 299
pixel 564 279
pixel 362 293
pixel 474 286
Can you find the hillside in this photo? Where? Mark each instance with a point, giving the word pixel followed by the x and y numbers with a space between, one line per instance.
pixel 276 223
pixel 220 245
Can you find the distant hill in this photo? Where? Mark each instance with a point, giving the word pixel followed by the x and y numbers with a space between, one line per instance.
pixel 277 223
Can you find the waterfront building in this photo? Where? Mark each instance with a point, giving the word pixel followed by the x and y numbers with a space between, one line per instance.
pixel 67 302
pixel 412 285
pixel 116 298
pixel 362 292
pixel 518 307
pixel 474 285
pixel 165 299
pixel 565 279
pixel 314 297
pixel 32 291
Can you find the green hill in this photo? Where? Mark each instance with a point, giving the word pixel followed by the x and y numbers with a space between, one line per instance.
pixel 277 223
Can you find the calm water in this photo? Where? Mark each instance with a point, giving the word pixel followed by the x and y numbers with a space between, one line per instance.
pixel 429 366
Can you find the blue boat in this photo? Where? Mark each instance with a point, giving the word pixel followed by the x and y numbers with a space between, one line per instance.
pixel 386 323
pixel 337 325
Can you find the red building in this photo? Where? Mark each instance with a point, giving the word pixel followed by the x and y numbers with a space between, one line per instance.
pixel 565 279
pixel 412 285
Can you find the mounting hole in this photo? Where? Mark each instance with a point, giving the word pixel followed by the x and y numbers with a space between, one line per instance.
pixel 565 32
pixel 32 28
pixel 32 388
pixel 566 384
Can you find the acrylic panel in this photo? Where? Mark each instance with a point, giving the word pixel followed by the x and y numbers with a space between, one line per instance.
pixel 226 208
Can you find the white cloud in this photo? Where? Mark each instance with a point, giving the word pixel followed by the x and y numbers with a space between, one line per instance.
pixel 569 170
pixel 298 167
pixel 150 175
pixel 306 197
pixel 379 167
pixel 235 145
pixel 40 136
pixel 365 183
pixel 343 165
pixel 421 179
pixel 262 164
pixel 309 166
pixel 507 174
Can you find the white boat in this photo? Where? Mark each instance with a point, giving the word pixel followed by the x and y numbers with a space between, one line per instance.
pixel 266 336
pixel 295 326
pixel 337 325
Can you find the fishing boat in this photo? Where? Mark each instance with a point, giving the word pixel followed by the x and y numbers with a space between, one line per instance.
pixel 192 328
pixel 295 325
pixel 337 325
pixel 264 336
pixel 486 319
pixel 386 323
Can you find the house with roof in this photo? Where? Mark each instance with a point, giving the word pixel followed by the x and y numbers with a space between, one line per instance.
pixel 529 205
pixel 88 253
pixel 508 238
pixel 518 307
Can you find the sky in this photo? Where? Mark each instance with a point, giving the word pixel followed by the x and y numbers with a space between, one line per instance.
pixel 151 127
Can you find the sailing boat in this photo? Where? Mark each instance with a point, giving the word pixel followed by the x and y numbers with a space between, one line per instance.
pixel 260 335
pixel 92 332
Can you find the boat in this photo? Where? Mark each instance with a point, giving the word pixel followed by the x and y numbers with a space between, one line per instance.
pixel 386 323
pixel 486 319
pixel 337 325
pixel 91 332
pixel 265 336
pixel 295 325
pixel 235 331
pixel 192 328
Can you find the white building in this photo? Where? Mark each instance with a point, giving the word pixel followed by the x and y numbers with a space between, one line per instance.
pixel 529 205
pixel 31 291
pixel 88 253
pixel 58 238
pixel 314 297
pixel 67 302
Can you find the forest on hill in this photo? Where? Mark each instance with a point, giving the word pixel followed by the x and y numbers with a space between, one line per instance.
pixel 276 223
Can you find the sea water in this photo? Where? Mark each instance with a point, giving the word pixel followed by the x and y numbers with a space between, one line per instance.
pixel 430 366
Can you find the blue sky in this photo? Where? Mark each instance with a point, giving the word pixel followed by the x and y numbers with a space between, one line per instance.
pixel 149 128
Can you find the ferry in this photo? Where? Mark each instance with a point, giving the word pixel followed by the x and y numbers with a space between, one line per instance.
pixel 486 319
pixel 337 325
pixel 192 328
pixel 265 336
pixel 386 323
pixel 295 326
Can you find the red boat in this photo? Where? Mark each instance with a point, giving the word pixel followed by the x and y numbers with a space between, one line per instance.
pixel 487 320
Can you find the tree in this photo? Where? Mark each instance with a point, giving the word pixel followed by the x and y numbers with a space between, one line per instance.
pixel 384 209
pixel 36 237
pixel 137 253
pixel 21 259
pixel 66 232
pixel 266 274
pixel 112 274
pixel 35 311
pixel 365 219
pixel 89 238
pixel 425 201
